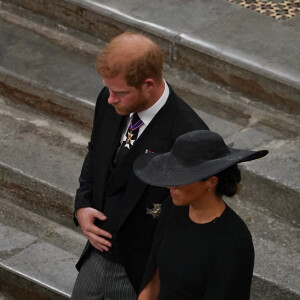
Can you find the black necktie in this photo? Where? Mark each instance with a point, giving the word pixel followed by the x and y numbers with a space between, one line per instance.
pixel 131 137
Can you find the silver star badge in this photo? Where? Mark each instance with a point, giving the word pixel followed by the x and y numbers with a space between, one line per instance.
pixel 129 141
pixel 155 211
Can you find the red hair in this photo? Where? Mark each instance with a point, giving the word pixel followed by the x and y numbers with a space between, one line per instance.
pixel 134 56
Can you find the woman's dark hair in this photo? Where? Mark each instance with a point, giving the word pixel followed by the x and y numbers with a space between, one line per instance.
pixel 228 181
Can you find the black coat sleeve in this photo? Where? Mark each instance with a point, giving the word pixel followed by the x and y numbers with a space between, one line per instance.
pixel 84 193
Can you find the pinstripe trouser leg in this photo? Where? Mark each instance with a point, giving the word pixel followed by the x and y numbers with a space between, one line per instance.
pixel 100 279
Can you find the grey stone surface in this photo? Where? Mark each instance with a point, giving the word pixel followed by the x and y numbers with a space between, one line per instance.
pixel 224 127
pixel 47 264
pixel 35 145
pixel 281 167
pixel 259 43
pixel 250 137
pixel 268 77
pixel 12 239
pixel 38 250
pixel 30 55
pixel 40 197
pixel 126 5
pixel 279 261
pixel 284 155
pixel 294 23
pixel 44 177
pixel 218 28
pixel 31 228
pixel 15 287
pixel 263 290
pixel 174 15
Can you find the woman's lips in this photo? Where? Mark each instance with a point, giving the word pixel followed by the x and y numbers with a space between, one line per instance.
pixel 173 195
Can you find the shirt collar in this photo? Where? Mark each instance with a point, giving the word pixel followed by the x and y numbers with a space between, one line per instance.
pixel 147 115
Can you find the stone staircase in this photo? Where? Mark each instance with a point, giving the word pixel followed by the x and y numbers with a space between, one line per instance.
pixel 49 85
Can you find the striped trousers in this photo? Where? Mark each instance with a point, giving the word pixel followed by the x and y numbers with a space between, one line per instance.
pixel 101 279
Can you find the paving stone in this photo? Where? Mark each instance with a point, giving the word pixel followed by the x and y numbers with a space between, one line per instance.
pixel 255 42
pixel 12 239
pixel 251 137
pixel 281 167
pixel 221 126
pixel 19 139
pixel 284 154
pixel 15 287
pixel 48 145
pixel 42 253
pixel 70 72
pixel 174 14
pixel 31 228
pixel 47 264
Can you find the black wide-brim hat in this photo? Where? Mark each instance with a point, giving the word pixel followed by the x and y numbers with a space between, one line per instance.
pixel 194 156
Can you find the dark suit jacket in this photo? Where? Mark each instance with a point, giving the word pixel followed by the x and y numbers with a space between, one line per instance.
pixel 136 228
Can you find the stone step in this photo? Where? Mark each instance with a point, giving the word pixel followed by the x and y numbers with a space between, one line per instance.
pixel 246 56
pixel 232 116
pixel 40 161
pixel 40 255
pixel 72 78
pixel 47 76
pixel 37 256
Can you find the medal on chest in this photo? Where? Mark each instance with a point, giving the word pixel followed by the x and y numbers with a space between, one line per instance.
pixel 130 134
pixel 129 141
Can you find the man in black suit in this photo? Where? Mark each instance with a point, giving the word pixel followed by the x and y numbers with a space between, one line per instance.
pixel 136 112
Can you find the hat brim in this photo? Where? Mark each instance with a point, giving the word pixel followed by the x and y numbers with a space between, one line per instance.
pixel 166 170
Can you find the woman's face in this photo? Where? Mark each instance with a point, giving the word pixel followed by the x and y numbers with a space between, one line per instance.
pixel 186 194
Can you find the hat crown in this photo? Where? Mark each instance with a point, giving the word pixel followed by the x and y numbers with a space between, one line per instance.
pixel 195 156
pixel 199 146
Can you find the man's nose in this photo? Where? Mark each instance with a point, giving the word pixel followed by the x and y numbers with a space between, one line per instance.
pixel 112 98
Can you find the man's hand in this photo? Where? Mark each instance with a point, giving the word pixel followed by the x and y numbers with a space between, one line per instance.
pixel 86 217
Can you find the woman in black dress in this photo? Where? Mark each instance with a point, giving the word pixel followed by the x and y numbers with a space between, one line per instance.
pixel 202 248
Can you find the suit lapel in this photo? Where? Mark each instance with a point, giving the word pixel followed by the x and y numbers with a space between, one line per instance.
pixel 153 138
pixel 110 137
pixel 157 136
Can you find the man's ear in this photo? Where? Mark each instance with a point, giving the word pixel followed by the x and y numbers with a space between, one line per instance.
pixel 149 84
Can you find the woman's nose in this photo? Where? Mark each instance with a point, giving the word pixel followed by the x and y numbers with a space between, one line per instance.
pixel 172 188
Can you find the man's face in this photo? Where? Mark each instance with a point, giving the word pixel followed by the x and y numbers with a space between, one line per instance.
pixel 124 98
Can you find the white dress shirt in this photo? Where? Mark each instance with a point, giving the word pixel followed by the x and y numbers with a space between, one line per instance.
pixel 148 114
